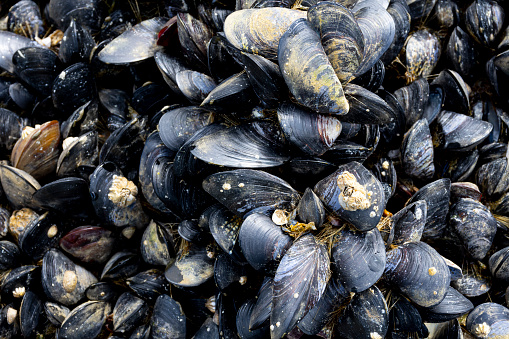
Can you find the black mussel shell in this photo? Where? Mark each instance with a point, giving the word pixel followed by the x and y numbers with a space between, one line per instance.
pixel 366 107
pixel 404 317
pixel 499 264
pixel 419 9
pixel 10 43
pixel 489 320
pixel 252 145
pixel 263 243
pixel 84 119
pixel 77 44
pixel 385 172
pixel 308 72
pixel 460 51
pixel 222 58
pixel 464 189
pixel 40 235
pixel 89 244
pixel 392 133
pixel 157 247
pixel 400 13
pixel 417 151
pixel 493 178
pixel 299 283
pixel 85 321
pixel 263 306
pixel 168 319
pixel 366 316
pixel 135 44
pixel 231 91
pixel 9 327
pixel 129 311
pixel 413 99
pixel 149 284
pixel 192 268
pixel 30 314
pixel 77 152
pixel 102 291
pixel 453 306
pixel 170 65
pixel 190 230
pixel 455 90
pixel 227 316
pixel 193 36
pixel 63 280
pixel 121 265
pixel 435 102
pixel 484 20
pixel 10 255
pixel 86 12
pixel 178 125
pixel 475 226
pixel 436 194
pixel 472 285
pixel 408 223
pixel 245 190
pixel 311 209
pixel 373 78
pixel 458 132
pixel 55 313
pixel 419 272
pixel 141 332
pixel 208 330
pixel 37 67
pixel 18 281
pixel 228 274
pixel 354 194
pixel 25 18
pixel 150 99
pixel 422 51
pixel 243 315
pixel 73 87
pixel 224 226
pixel 311 132
pixel 358 259
pixel 194 85
pixel 10 131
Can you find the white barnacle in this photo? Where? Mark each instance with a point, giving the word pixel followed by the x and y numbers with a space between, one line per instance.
pixel 279 217
pixel 482 330
pixel 353 195
pixel 12 313
pixel 19 292
pixel 375 335
pixel 52 231
pixel 69 281
pixel 27 130
pixel 122 191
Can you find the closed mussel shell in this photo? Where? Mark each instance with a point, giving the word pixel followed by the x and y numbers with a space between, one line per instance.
pixel 311 132
pixel 422 51
pixel 366 107
pixel 63 280
pixel 453 306
pixel 30 313
pixel 243 315
pixel 89 244
pixel 341 37
pixel 77 44
pixel 121 265
pixel 413 99
pixel 228 274
pixel 244 190
pixel 40 235
pixel 461 52
pixel 170 65
pixel 475 225
pixel 310 208
pixel 472 285
pixel 168 319
pixel 85 321
pixel 489 320
pixel 484 20
pixel 193 36
pixel 18 186
pixel 299 283
pixel 308 72
pixel 102 291
pixel 73 87
pixel 417 151
pixel 128 312
pixel 455 90
pixel 225 226
pixel 257 144
pixel 408 223
pixel 403 318
pixel 11 43
pixel 77 152
pixel 354 194
pixel 191 268
pixel 499 264
pixel 18 281
pixel 178 125
pixel 263 306
pixel 263 243
pixel 11 129
pixel 55 312
pixel 366 316
pixel 190 230
pixel 237 88
pixel 385 171
pixel 195 85
pixel 401 15
pixel 149 284
pixel 10 255
pixel 25 16
pixel 157 247
pixel 493 178
pixel 358 259
pixel 436 194
pixel 419 272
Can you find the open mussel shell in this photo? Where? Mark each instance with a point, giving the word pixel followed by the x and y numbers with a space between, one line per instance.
pixel 18 186
pixel 308 72
pixel 422 51
pixel 38 152
pixel 244 190
pixel 419 272
pixel 89 244
pixel 489 320
pixel 129 311
pixel 192 268
pixel 252 145
pixel 499 264
pixel 311 209
pixel 436 194
pixel 115 198
pixel 157 247
pixel 135 44
pixel 354 194
pixel 168 319
pixel 30 314
pixel 484 20
pixel 408 223
pixel 366 316
pixel 178 125
pixel 258 31
pixel 37 67
pixel 366 107
pixel 459 132
pixel 194 85
pixel 85 321
pixel 263 243
pixel 341 37
pixel 460 52
pixel 358 259
pixel 311 132
pixel 299 283
pixel 453 306
pixel 77 44
pixel 63 280
pixel 243 315
pixel 493 178
pixel 378 29
pixel 475 226
pixel 417 151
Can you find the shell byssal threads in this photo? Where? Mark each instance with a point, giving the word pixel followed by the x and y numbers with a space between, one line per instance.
pixel 353 195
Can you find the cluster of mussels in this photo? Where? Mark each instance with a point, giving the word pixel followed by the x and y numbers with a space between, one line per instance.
pixel 254 169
